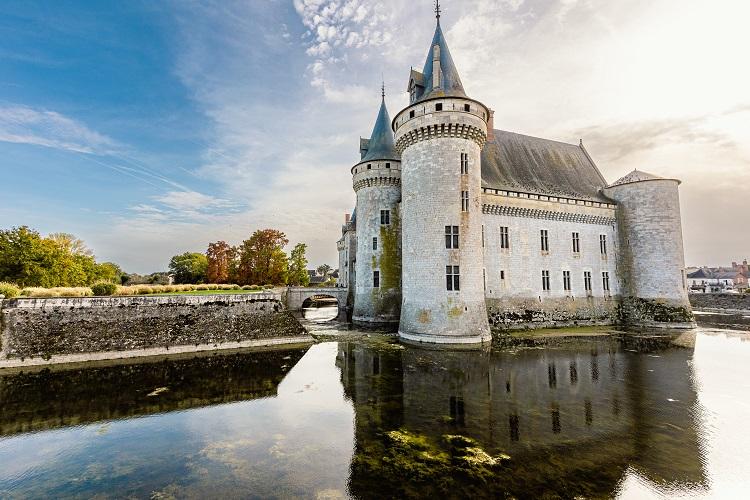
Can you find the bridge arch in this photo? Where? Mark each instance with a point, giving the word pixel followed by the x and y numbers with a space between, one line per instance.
pixel 296 297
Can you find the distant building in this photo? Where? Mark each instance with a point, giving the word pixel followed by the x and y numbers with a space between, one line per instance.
pixel 708 280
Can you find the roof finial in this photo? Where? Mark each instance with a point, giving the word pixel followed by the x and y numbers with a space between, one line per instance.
pixel 383 89
pixel 437 9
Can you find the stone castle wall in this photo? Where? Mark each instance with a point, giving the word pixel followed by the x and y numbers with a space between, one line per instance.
pixel 431 199
pixel 654 284
pixel 46 328
pixel 378 187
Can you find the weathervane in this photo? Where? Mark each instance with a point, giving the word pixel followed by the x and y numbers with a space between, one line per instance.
pixel 437 9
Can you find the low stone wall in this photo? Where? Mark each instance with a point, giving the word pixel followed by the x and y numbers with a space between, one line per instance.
pixel 44 329
pixel 521 314
pixel 732 301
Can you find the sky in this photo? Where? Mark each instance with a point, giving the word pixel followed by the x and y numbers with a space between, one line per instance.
pixel 151 128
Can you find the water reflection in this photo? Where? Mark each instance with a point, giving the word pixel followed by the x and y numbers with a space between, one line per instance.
pixel 573 437
pixel 370 418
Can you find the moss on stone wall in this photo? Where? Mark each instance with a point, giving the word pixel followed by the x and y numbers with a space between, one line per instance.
pixel 387 299
pixel 636 311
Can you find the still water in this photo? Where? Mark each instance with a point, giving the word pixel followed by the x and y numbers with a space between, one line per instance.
pixel 362 416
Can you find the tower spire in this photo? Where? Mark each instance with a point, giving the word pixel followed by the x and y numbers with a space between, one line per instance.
pixel 382 88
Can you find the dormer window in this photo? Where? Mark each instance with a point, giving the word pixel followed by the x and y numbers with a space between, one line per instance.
pixel 412 91
pixel 411 114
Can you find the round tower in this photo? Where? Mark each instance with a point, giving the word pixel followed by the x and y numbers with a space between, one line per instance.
pixel 440 136
pixel 377 183
pixel 653 258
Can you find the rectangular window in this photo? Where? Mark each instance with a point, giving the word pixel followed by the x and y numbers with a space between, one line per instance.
pixel 451 237
pixel 502 275
pixel 376 279
pixel 387 165
pixel 374 243
pixel 484 279
pixel 545 281
pixel 504 239
pixel 438 107
pixel 587 281
pixel 603 243
pixel 566 281
pixel 385 217
pixel 467 107
pixel 545 240
pixel 411 114
pixel 605 281
pixel 464 163
pixel 576 243
pixel 482 235
pixel 464 201
pixel 453 278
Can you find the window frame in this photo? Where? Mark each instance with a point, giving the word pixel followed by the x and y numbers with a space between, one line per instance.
pixel 465 201
pixel 452 240
pixel 504 238
pixel 453 278
pixel 576 243
pixel 385 217
pixel 544 235
pixel 376 278
pixel 375 243
pixel 546 283
pixel 567 284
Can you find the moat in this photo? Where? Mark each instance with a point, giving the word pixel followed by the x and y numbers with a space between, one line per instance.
pixel 360 415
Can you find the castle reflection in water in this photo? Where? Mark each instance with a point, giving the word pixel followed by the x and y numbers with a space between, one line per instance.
pixel 573 418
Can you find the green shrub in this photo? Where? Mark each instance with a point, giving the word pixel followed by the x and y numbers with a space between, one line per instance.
pixel 103 289
pixel 247 287
pixel 202 288
pixel 236 287
pixel 268 287
pixel 255 288
pixel 145 290
pixel 10 290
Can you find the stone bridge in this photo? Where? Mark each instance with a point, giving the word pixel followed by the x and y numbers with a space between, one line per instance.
pixel 295 297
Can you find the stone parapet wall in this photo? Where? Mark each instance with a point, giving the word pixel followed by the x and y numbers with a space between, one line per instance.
pixel 730 301
pixel 530 313
pixel 46 328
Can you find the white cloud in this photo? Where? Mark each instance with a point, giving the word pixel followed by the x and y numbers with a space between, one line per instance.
pixel 24 125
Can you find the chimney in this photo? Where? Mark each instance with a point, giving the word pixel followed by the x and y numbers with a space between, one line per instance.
pixel 491 126
pixel 347 218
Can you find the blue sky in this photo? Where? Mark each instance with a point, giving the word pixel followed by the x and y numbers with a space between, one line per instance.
pixel 152 128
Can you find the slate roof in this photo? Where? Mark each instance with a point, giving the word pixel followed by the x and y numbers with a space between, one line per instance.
pixel 381 145
pixel 636 176
pixel 700 274
pixel 450 83
pixel 515 162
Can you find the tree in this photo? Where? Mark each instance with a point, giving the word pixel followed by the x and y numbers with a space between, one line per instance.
pixel 71 244
pixel 262 259
pixel 29 260
pixel 298 275
pixel 189 268
pixel 324 270
pixel 220 256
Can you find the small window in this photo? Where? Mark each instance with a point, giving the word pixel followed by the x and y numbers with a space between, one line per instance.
pixel 387 165
pixel 502 275
pixel 545 240
pixel 369 166
pixel 453 278
pixel 587 281
pixel 451 237
pixel 605 281
pixel 482 235
pixel 374 243
pixel 576 243
pixel 467 107
pixel 385 217
pixel 376 279
pixel 504 238
pixel 464 163
pixel 411 114
pixel 566 281
pixel 464 201
pixel 603 244
pixel 484 279
pixel 439 107
pixel 545 281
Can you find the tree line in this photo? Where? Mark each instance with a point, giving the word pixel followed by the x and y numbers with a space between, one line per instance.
pixel 259 260
pixel 29 259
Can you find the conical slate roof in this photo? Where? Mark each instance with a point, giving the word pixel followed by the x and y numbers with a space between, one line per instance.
pixel 450 82
pixel 636 176
pixel 381 146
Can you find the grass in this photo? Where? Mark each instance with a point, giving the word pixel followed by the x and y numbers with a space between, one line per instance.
pixel 207 292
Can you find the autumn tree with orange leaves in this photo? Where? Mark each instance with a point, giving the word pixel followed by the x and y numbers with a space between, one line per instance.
pixel 262 260
pixel 220 259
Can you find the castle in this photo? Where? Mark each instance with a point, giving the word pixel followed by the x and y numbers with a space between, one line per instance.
pixel 460 228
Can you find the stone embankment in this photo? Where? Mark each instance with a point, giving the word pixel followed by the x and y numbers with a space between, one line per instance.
pixel 725 301
pixel 50 331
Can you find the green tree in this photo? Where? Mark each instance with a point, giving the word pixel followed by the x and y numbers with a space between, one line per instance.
pixel 26 258
pixel 109 271
pixel 189 268
pixel 298 275
pixel 262 259
pixel 71 244
pixel 324 270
